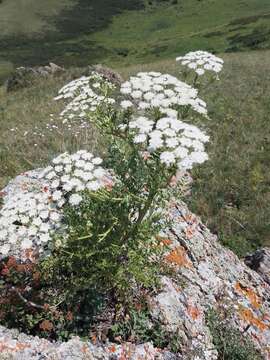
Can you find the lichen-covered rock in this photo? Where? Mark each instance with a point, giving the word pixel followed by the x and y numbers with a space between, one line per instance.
pixel 109 74
pixel 260 262
pixel 24 76
pixel 214 277
pixel 16 346
pixel 206 275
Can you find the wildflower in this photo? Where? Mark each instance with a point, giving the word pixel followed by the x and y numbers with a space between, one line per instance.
pixel 179 143
pixel 75 199
pixel 162 91
pixel 125 104
pixel 167 158
pixel 57 195
pixel 26 244
pixel 46 325
pixel 4 249
pixel 84 95
pixel 30 217
pixel 201 61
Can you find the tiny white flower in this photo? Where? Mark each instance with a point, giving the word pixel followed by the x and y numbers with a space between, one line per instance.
pixel 45 238
pixel 57 195
pixel 97 161
pixel 4 249
pixel 126 104
pixel 75 199
pixel 26 244
pixel 93 185
pixel 168 158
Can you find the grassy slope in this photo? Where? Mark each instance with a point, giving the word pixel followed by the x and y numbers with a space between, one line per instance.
pixel 231 192
pixel 165 31
pixel 123 32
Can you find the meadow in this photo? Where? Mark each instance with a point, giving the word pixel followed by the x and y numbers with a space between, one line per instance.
pixel 126 32
pixel 230 192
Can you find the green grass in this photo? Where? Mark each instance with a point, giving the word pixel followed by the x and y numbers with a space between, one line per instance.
pixel 230 192
pixel 29 17
pixel 165 31
pixel 126 32
pixel 27 111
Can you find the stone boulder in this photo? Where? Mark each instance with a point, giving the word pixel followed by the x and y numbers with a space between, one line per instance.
pixel 260 262
pixel 108 73
pixel 205 275
pixel 24 76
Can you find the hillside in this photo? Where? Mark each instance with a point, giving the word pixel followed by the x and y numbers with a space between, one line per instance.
pixel 79 32
pixel 230 192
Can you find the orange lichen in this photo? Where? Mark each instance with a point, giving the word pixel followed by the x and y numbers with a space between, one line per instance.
pixel 178 257
pixel 194 312
pixel 164 240
pixel 93 338
pixel 189 232
pixel 21 346
pixel 17 347
pixel 249 294
pixel 248 316
pixel 190 218
pixel 46 325
pixel 85 349
pixel 112 349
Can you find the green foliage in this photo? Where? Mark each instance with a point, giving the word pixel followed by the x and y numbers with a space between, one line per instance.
pixel 102 250
pixel 230 343
pixel 139 326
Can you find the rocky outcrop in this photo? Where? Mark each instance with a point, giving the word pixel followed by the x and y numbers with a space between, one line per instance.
pixel 109 74
pixel 24 76
pixel 260 262
pixel 206 275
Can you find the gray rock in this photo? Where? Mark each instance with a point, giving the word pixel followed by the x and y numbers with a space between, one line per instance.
pixel 260 262
pixel 25 76
pixel 206 275
pixel 108 73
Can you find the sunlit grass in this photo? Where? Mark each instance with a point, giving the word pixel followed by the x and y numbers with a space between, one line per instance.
pixel 25 142
pixel 124 32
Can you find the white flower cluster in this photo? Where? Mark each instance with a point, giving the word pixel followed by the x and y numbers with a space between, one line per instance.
pixel 29 217
pixel 70 174
pixel 201 61
pixel 85 95
pixel 176 142
pixel 163 91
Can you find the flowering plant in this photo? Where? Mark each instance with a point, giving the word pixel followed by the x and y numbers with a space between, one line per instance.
pixel 100 224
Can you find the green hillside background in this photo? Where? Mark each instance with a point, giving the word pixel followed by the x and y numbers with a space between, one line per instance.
pixel 125 32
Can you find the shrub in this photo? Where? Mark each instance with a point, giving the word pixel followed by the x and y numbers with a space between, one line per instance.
pixel 97 228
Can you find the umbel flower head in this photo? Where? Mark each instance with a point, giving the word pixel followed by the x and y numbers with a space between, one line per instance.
pixel 201 61
pixel 74 173
pixel 31 215
pixel 176 143
pixel 84 95
pixel 163 91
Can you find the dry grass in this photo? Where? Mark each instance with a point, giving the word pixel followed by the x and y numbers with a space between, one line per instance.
pixel 28 111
